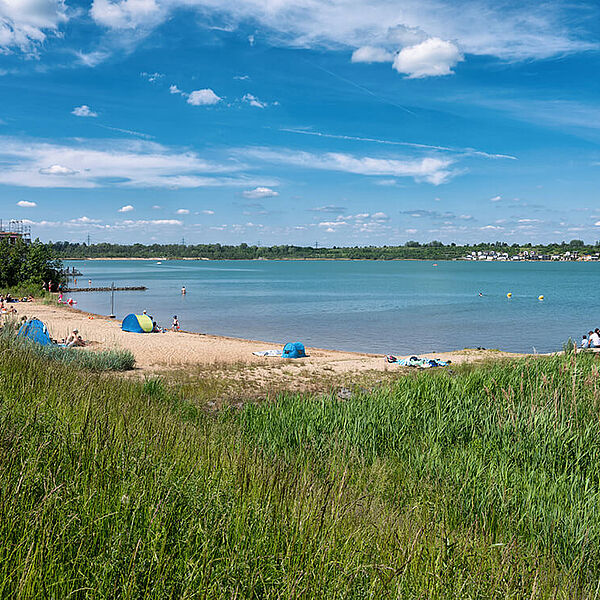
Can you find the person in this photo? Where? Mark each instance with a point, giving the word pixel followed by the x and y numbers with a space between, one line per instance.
pixel 175 323
pixel 89 283
pixel 585 343
pixel 74 339
pixel 183 292
pixel 49 286
pixel 480 294
pixel 594 339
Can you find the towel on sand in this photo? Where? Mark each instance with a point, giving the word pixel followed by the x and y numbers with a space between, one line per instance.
pixel 268 353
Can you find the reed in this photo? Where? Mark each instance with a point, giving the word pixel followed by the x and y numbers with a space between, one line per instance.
pixel 481 484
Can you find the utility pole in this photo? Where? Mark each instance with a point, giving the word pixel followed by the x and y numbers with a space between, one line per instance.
pixel 88 239
pixel 112 301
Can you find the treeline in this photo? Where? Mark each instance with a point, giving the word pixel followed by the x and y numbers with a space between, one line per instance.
pixel 28 265
pixel 411 250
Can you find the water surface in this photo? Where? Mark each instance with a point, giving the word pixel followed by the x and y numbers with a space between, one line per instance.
pixel 371 306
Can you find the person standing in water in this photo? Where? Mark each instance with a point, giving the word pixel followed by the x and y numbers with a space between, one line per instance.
pixel 183 292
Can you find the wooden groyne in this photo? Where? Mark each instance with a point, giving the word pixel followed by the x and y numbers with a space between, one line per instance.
pixel 132 288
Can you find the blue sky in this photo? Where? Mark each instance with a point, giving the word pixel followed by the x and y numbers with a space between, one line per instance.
pixel 332 121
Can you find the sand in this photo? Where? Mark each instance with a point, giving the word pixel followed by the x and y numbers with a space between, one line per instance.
pixel 181 350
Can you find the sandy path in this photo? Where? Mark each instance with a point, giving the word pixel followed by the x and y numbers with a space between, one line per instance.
pixel 180 349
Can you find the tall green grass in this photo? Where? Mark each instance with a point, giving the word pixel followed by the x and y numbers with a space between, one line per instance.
pixel 480 485
pixel 98 360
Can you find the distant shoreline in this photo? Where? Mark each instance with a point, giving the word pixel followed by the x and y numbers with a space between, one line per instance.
pixel 435 260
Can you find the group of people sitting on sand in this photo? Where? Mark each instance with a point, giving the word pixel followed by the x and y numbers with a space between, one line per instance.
pixel 5 309
pixel 157 329
pixel 591 340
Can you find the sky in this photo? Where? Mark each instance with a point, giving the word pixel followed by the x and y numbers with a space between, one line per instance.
pixel 337 122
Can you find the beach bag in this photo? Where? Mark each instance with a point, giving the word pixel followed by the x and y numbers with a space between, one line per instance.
pixel 293 350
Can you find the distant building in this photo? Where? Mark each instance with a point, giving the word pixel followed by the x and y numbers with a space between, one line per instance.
pixel 14 230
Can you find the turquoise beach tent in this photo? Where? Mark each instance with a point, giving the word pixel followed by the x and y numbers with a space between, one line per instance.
pixel 35 331
pixel 137 324
pixel 293 350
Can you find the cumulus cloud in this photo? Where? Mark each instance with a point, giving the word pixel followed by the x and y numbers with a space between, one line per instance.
pixel 371 54
pixel 182 211
pixel 253 101
pixel 432 169
pixel 26 204
pixel 25 24
pixel 173 89
pixel 84 220
pixel 83 111
pixel 126 208
pixel 205 97
pixel 432 58
pixel 260 192
pixel 374 223
pixel 57 170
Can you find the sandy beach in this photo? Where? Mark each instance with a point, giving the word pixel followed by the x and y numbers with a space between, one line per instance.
pixel 184 350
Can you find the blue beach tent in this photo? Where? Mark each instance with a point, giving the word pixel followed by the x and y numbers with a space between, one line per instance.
pixel 293 350
pixel 35 331
pixel 137 324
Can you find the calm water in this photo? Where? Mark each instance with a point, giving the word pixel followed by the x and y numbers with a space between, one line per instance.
pixel 382 307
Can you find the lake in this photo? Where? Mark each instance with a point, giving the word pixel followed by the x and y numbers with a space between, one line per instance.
pixel 398 307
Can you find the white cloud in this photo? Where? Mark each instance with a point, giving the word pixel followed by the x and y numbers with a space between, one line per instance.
pixel 157 207
pixel 24 24
pixel 242 77
pixel 435 170
pixel 57 170
pixel 128 14
pixel 152 77
pixel 371 54
pixel 182 211
pixel 496 199
pixel 261 192
pixel 92 59
pixel 108 163
pixel 85 220
pixel 254 101
pixel 83 111
pixel 129 223
pixel 126 208
pixel 173 89
pixel 208 212
pixel 515 31
pixel 26 204
pixel 204 97
pixel 432 58
pixel 491 228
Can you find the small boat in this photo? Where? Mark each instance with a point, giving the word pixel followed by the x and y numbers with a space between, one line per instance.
pixel 159 263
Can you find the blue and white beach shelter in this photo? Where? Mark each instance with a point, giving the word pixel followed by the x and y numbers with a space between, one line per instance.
pixel 137 324
pixel 293 350
pixel 35 331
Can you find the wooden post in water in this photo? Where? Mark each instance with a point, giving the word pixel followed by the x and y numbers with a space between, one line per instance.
pixel 112 300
